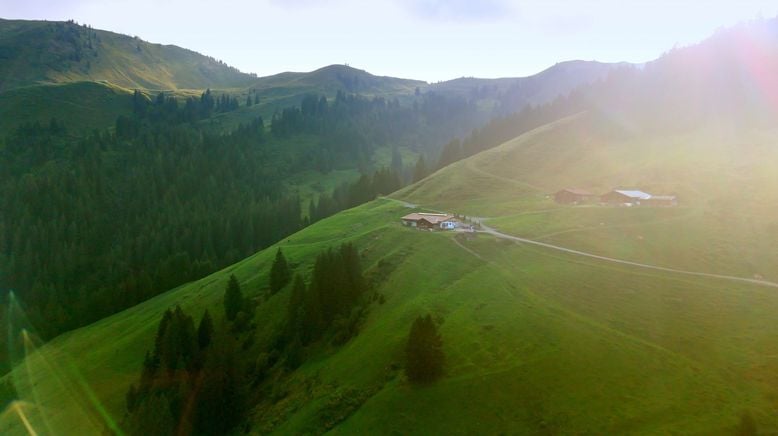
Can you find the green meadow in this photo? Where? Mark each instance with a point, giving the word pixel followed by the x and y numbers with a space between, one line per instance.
pixel 536 341
pixel 82 106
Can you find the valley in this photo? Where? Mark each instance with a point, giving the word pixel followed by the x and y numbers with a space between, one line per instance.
pixel 189 249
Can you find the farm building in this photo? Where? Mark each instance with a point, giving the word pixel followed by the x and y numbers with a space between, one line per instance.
pixel 662 201
pixel 638 198
pixel 573 196
pixel 422 220
pixel 626 197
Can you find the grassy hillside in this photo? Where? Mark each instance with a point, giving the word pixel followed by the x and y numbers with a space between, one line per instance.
pixel 529 334
pixel 725 180
pixel 33 52
pixel 537 340
pixel 82 106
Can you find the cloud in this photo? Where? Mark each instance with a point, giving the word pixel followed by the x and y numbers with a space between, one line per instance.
pixel 459 10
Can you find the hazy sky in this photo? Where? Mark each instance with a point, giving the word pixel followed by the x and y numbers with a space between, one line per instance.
pixel 422 39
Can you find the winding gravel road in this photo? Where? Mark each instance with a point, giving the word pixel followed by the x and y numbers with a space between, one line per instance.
pixel 488 230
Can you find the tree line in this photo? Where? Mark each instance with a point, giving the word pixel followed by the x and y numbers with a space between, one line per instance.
pixel 95 223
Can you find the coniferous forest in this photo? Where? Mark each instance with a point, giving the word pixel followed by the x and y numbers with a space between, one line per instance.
pixel 202 378
pixel 96 222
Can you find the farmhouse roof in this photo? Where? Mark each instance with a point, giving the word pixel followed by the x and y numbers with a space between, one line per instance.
pixel 577 191
pixel 433 218
pixel 640 195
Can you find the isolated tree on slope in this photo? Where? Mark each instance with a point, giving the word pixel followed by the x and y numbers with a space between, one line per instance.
pixel 233 299
pixel 424 351
pixel 279 273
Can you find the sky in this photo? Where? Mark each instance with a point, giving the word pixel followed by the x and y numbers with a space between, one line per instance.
pixel 429 40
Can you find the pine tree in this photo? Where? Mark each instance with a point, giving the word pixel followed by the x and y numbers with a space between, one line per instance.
pixel 220 402
pixel 296 308
pixel 279 273
pixel 8 393
pixel 205 330
pixel 233 298
pixel 131 398
pixel 424 351
pixel 153 417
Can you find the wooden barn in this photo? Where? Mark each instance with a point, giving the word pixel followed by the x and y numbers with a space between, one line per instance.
pixel 625 197
pixel 573 196
pixel 422 220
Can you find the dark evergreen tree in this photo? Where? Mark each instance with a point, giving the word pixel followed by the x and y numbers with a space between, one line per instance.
pixel 178 342
pixel 153 417
pixel 220 401
pixel 295 312
pixel 424 351
pixel 205 330
pixel 233 298
pixel 279 273
pixel 131 398
pixel 8 393
pixel 451 153
pixel 420 170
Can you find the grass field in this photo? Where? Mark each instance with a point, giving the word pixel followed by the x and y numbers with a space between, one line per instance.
pixel 727 185
pixel 529 337
pixel 50 52
pixel 82 106
pixel 536 341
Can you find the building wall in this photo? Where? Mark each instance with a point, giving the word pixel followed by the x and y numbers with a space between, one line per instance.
pixel 616 198
pixel 565 197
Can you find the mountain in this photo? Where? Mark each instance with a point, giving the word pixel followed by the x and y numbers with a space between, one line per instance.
pixel 491 96
pixel 601 320
pixel 287 89
pixel 514 93
pixel 35 52
pixel 35 55
pixel 335 78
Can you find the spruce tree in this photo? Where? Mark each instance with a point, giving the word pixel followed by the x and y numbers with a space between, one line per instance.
pixel 220 401
pixel 233 298
pixel 153 416
pixel 279 273
pixel 296 308
pixel 205 330
pixel 424 351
